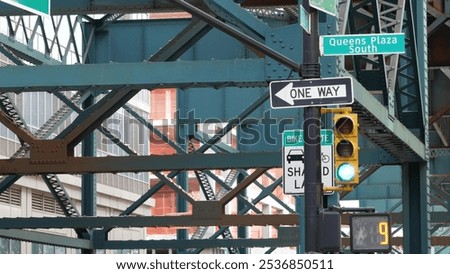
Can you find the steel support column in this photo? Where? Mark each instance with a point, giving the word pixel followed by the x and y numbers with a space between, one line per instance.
pixel 416 208
pixel 182 177
pixel 242 232
pixel 88 184
pixel 311 126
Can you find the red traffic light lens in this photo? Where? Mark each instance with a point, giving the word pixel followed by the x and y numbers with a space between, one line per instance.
pixel 344 125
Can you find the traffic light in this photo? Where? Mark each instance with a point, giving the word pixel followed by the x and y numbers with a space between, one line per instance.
pixel 346 148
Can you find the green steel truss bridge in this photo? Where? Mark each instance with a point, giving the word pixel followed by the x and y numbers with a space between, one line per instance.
pixel 94 59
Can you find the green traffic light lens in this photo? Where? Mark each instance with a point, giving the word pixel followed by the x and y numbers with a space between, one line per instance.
pixel 345 172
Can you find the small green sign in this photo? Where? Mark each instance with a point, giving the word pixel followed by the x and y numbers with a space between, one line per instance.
pixel 362 44
pixel 295 137
pixel 39 7
pixel 305 19
pixel 327 6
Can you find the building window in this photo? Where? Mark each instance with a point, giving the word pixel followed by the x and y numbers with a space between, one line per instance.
pixel 125 251
pixel 8 246
pixel 47 249
pixel 11 196
pixel 45 202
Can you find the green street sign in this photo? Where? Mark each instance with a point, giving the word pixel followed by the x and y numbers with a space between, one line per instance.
pixel 362 44
pixel 39 7
pixel 305 19
pixel 295 137
pixel 327 6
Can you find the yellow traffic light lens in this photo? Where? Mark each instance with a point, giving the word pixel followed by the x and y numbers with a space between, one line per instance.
pixel 345 172
pixel 345 148
pixel 344 125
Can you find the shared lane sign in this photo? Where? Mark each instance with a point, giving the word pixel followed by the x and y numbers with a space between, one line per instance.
pixel 294 160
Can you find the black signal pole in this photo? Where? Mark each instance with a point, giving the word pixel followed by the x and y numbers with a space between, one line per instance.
pixel 311 129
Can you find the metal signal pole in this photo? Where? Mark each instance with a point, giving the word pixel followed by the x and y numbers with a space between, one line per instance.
pixel 311 127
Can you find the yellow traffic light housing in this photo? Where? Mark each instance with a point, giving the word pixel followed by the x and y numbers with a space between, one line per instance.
pixel 346 163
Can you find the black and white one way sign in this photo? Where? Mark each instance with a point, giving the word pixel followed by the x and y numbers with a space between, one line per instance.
pixel 311 92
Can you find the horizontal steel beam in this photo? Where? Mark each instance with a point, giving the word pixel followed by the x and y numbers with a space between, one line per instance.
pixel 397 218
pixel 146 221
pixel 204 243
pixel 198 161
pixel 398 241
pixel 45 238
pixel 176 221
pixel 240 73
pixel 269 3
pixel 57 240
pixel 59 7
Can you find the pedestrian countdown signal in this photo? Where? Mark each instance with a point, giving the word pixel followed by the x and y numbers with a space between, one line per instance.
pixel 370 233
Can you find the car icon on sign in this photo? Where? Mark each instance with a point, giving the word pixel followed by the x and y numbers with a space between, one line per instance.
pixel 295 155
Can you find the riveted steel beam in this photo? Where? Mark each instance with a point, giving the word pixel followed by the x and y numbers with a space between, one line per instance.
pixel 146 221
pixel 176 162
pixel 59 7
pixel 240 73
pixel 282 241
pixel 44 238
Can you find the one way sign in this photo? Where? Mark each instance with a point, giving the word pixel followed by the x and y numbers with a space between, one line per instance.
pixel 311 92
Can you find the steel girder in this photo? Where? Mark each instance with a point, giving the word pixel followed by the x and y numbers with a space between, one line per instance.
pixel 86 126
pixel 243 73
pixel 59 7
pixel 84 115
pixel 399 81
pixel 438 29
pixel 396 76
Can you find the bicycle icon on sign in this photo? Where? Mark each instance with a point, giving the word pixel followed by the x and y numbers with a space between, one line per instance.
pixel 325 158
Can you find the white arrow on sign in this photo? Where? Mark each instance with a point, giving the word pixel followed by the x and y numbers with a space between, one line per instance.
pixel 290 93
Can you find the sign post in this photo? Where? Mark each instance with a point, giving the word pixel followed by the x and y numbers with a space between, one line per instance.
pixel 38 7
pixel 311 124
pixel 294 160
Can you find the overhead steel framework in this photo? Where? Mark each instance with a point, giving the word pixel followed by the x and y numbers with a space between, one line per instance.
pixel 220 61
